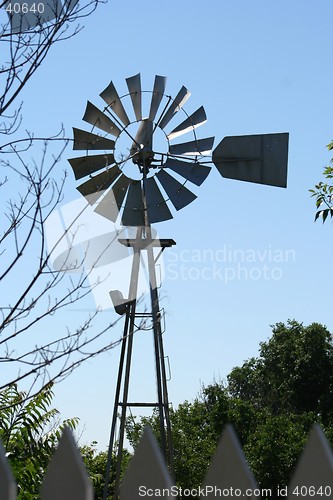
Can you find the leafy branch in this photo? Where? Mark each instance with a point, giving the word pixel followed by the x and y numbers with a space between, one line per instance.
pixel 323 192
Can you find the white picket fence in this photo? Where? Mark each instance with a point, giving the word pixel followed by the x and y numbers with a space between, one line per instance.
pixel 147 475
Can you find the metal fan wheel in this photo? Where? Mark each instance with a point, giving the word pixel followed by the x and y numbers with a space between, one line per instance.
pixel 141 171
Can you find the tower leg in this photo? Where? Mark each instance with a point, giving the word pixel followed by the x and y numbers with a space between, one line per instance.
pixel 127 342
pixel 123 378
pixel 125 400
pixel 162 392
pixel 115 407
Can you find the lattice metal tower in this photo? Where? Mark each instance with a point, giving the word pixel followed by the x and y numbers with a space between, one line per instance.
pixel 142 185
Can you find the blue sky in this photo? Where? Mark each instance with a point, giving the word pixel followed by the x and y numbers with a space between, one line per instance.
pixel 256 67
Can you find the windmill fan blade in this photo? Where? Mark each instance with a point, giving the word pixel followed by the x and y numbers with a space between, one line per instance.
pixel 261 159
pixel 198 147
pixel 195 120
pixel 88 141
pixel 179 195
pixel 95 187
pixel 133 214
pixel 157 208
pixel 176 105
pixel 111 97
pixel 110 205
pixel 98 119
pixel 134 88
pixel 86 165
pixel 194 172
pixel 158 92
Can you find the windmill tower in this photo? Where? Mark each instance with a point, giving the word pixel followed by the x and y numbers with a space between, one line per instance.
pixel 144 184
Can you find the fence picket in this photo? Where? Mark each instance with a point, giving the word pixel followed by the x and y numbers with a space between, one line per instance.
pixel 8 490
pixel 147 470
pixel 314 471
pixel 148 476
pixel 228 470
pixel 66 477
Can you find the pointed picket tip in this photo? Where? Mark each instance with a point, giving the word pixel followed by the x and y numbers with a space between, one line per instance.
pixel 313 476
pixel 8 488
pixel 66 477
pixel 147 475
pixel 229 470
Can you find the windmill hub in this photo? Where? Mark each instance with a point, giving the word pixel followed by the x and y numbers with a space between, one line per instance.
pixel 142 147
pixel 142 156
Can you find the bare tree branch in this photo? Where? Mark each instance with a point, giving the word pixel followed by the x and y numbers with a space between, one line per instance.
pixel 33 294
pixel 42 292
pixel 24 52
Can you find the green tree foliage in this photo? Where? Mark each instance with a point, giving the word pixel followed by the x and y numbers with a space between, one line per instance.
pixel 95 463
pixel 293 373
pixel 323 192
pixel 29 431
pixel 271 400
pixel 196 428
pixel 274 445
pixel 287 388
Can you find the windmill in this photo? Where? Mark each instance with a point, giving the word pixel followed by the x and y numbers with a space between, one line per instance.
pixel 146 183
